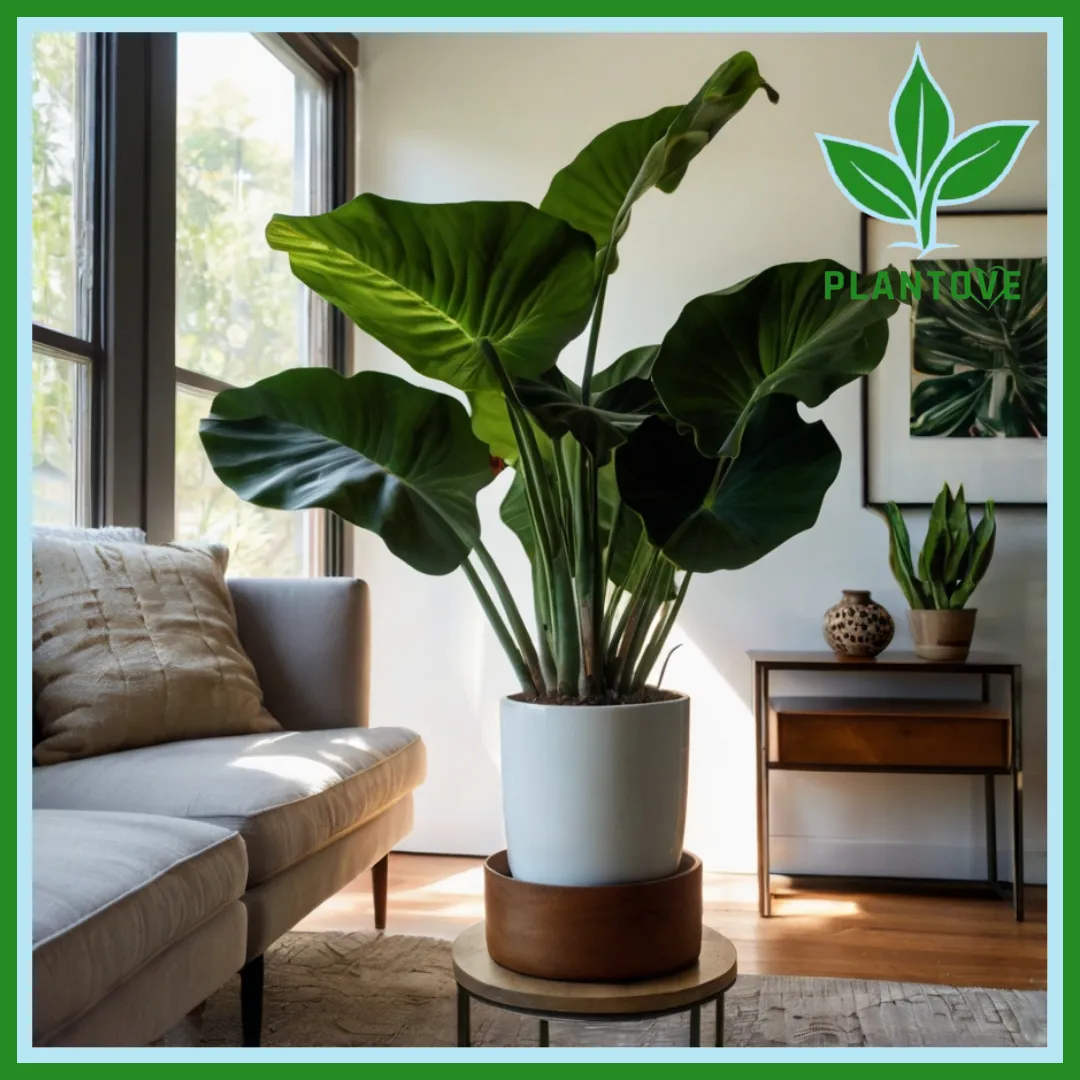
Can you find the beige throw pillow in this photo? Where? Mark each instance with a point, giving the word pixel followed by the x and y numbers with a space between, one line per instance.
pixel 136 644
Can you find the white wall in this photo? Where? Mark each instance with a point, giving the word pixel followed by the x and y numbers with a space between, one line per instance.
pixel 449 117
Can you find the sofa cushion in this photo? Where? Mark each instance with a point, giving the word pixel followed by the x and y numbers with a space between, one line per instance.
pixel 288 794
pixel 135 645
pixel 111 892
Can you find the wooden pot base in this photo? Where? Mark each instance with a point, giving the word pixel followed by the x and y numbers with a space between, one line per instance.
pixel 585 933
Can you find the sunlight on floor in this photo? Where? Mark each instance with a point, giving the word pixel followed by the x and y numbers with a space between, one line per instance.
pixel 467 883
pixel 821 906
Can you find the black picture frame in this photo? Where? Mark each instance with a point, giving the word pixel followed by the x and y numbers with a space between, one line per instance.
pixel 864 389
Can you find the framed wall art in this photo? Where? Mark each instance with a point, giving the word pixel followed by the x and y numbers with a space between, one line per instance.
pixel 961 393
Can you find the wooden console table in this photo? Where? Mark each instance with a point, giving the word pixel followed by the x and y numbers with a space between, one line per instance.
pixel 890 735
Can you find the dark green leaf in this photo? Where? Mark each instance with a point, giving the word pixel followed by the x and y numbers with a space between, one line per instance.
pixel 514 511
pixel 773 333
pixel 391 457
pixel 430 280
pixel 596 191
pixel 921 120
pixel 935 550
pixel 635 364
pixel 555 403
pixel 771 492
pixel 959 537
pixel 900 558
pixel 982 553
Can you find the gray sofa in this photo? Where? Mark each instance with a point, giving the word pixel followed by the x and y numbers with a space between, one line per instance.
pixel 183 862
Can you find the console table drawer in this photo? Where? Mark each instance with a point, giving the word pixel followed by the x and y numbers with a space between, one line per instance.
pixel 876 732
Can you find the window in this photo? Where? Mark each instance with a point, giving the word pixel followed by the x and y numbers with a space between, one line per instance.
pixel 251 140
pixel 66 344
pixel 157 161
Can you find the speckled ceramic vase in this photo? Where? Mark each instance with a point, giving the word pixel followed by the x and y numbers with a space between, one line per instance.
pixel 857 626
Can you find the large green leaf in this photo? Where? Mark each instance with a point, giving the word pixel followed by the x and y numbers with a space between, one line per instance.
pixel 430 280
pixel 383 454
pixel 772 491
pixel 773 333
pixel 597 190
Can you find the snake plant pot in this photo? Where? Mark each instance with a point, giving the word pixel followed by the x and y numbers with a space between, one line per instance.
pixel 942 635
pixel 594 794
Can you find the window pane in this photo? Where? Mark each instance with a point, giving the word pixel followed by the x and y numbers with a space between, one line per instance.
pixel 262 543
pixel 62 191
pixel 249 145
pixel 61 429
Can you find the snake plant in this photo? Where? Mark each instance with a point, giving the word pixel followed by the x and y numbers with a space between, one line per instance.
pixel 954 556
pixel 679 457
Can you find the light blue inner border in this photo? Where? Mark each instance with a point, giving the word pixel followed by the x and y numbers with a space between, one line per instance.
pixel 1055 502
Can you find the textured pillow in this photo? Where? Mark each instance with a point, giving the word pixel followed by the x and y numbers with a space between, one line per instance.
pixel 136 644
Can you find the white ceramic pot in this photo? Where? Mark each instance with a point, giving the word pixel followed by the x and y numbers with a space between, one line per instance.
pixel 594 795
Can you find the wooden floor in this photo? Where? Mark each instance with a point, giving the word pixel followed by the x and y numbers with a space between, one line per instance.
pixel 946 940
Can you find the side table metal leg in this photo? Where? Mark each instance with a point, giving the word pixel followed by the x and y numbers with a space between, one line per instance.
pixel 1018 845
pixel 720 1020
pixel 1018 795
pixel 462 1016
pixel 695 1025
pixel 545 1039
pixel 991 832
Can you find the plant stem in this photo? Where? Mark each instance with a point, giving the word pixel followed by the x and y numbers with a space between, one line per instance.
pixel 635 575
pixel 542 604
pixel 657 589
pixel 566 493
pixel 634 614
pixel 588 576
pixel 660 635
pixel 521 669
pixel 550 541
pixel 513 615
pixel 594 330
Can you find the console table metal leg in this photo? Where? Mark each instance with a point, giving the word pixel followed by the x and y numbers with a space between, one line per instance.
pixel 761 705
pixel 720 1020
pixel 1018 845
pixel 1018 798
pixel 462 1016
pixel 544 1034
pixel 991 832
pixel 695 1025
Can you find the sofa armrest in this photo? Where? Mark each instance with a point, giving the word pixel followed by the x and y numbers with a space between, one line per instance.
pixel 308 639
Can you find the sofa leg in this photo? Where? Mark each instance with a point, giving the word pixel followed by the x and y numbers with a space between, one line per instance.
pixel 379 874
pixel 251 1001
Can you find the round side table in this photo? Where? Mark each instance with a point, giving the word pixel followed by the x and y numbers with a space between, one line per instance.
pixel 478 976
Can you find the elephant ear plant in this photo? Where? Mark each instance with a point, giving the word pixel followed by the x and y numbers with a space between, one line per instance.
pixel 681 457
pixel 954 556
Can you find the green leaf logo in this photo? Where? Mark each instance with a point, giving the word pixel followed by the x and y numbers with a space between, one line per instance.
pixel 931 166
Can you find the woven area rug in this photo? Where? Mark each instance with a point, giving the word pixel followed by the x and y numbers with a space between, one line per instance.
pixel 390 990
